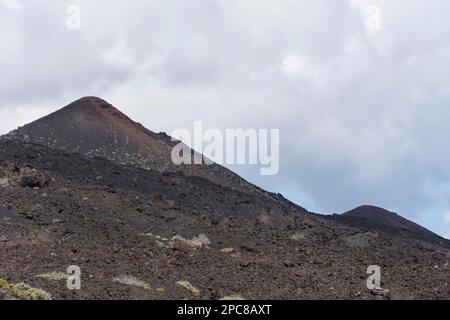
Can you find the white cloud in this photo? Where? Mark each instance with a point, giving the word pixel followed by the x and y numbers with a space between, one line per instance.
pixel 13 4
pixel 446 224
pixel 118 56
pixel 293 65
pixel 447 218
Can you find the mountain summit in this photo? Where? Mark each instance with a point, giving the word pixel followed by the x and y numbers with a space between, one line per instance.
pixel 93 127
pixel 382 217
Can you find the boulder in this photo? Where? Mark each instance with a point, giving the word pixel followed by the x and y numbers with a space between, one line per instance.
pixel 32 178
pixel 4 183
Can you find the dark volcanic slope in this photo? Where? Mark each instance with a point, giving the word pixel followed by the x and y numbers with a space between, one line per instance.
pixel 173 187
pixel 138 234
pixel 386 218
pixel 93 127
pixel 374 218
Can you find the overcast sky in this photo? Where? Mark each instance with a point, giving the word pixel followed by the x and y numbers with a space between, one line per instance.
pixel 360 90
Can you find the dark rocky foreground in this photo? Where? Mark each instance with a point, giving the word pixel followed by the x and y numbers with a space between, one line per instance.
pixel 147 234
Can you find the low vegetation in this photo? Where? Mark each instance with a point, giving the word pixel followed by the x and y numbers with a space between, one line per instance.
pixel 132 281
pixel 187 285
pixel 24 291
pixel 53 276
